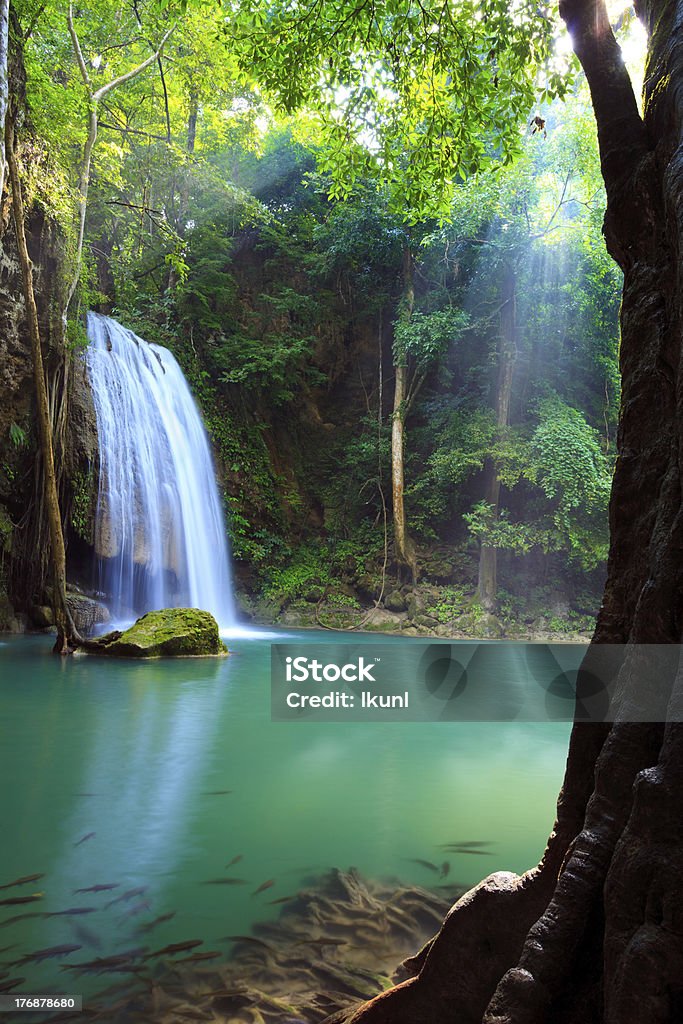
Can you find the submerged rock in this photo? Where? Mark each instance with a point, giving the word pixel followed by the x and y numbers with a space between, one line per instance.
pixel 170 632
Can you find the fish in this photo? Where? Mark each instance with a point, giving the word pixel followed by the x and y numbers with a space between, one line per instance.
pixel 251 939
pixel 22 881
pixel 14 901
pixel 235 860
pixel 195 957
pixel 47 954
pixel 263 886
pixel 322 942
pixel 71 912
pixel 217 792
pixel 84 839
pixel 280 899
pixel 103 963
pixel 422 863
pixel 122 967
pixel 144 928
pixel 473 852
pixel 125 896
pixel 6 949
pixel 225 881
pixel 106 887
pixel 470 844
pixel 7 986
pixel 445 868
pixel 176 947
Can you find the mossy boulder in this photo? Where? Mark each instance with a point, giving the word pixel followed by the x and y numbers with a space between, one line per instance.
pixel 168 633
pixel 395 601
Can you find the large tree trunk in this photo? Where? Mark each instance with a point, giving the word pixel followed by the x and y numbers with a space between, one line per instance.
pixel 67 635
pixel 595 934
pixel 487 585
pixel 404 551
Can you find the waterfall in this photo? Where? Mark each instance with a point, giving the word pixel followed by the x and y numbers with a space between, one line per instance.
pixel 160 537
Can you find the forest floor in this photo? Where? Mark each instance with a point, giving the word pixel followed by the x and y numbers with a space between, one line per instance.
pixel 552 606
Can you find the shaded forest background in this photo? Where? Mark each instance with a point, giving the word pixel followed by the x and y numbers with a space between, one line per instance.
pixel 216 228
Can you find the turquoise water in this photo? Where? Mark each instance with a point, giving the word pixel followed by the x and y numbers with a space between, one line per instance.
pixel 139 755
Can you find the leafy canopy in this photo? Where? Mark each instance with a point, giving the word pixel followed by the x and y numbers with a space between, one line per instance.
pixel 414 93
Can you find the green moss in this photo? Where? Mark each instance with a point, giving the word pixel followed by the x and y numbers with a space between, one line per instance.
pixel 83 505
pixel 170 632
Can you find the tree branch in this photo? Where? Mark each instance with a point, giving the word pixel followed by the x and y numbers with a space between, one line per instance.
pixel 94 98
pixel 122 79
pixel 77 50
pixel 125 130
pixel 621 132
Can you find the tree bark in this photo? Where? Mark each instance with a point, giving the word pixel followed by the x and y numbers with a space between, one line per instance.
pixel 67 634
pixel 404 551
pixel 4 85
pixel 594 935
pixel 487 585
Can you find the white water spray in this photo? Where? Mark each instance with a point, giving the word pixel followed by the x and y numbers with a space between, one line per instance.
pixel 159 530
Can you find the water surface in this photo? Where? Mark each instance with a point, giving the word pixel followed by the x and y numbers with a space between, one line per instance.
pixel 140 754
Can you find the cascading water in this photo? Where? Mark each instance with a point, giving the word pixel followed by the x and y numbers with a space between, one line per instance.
pixel 159 530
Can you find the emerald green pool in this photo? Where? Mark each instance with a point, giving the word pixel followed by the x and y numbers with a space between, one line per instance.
pixel 140 754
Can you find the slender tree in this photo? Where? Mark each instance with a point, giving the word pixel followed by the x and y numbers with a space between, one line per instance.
pixel 95 97
pixel 404 550
pixel 487 584
pixel 67 634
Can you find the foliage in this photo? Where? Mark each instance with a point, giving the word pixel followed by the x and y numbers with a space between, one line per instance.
pixel 253 197
pixel 571 469
pixel 451 603
pixel 414 95
pixel 320 571
pixel 17 435
pixel 425 336
pixel 83 484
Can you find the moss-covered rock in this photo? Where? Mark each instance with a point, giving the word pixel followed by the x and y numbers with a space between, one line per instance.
pixel 170 632
pixel 395 601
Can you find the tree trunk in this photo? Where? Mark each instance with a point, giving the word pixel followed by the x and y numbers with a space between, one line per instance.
pixel 404 551
pixel 186 172
pixel 487 586
pixel 67 635
pixel 4 84
pixel 94 99
pixel 594 935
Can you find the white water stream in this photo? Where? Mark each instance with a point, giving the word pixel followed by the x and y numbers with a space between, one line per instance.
pixel 160 536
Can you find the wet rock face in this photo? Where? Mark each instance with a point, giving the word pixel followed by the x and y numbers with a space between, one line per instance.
pixel 87 613
pixel 171 632
pixel 82 441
